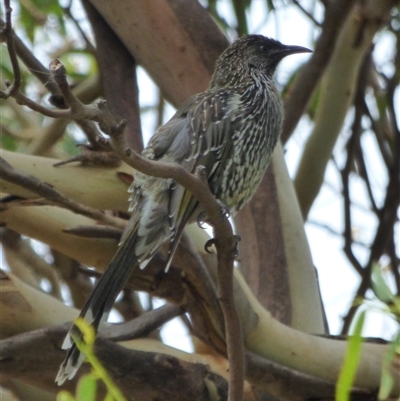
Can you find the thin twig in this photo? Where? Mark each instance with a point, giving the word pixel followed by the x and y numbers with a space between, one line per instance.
pixel 352 144
pixel 8 32
pixel 306 13
pixel 348 236
pixel 116 63
pixel 89 46
pixel 77 111
pixel 364 174
pixel 35 67
pixel 354 148
pixel 24 253
pixel 95 232
pixel 387 218
pixel 334 232
pixel 142 326
pixel 23 100
pixel 384 148
pixel 89 156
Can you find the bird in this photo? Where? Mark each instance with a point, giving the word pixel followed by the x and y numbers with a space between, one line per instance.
pixel 230 130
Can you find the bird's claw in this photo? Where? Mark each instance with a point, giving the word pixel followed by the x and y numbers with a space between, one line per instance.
pixel 235 251
pixel 209 244
pixel 202 220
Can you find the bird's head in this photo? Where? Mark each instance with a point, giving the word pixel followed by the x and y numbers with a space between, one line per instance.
pixel 248 53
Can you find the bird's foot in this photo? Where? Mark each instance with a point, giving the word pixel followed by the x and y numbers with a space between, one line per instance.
pixel 202 218
pixel 235 250
pixel 225 212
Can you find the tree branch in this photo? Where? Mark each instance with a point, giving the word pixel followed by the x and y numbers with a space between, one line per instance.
pixel 46 191
pixel 141 326
pixel 143 359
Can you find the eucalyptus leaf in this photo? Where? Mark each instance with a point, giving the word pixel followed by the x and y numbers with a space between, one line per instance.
pixel 381 289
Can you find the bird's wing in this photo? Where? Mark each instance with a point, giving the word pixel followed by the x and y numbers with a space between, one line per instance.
pixel 197 135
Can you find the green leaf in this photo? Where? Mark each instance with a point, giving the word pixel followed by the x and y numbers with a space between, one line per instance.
pixel 351 360
pixel 8 143
pixel 64 395
pixel 34 14
pixel 28 23
pixel 381 289
pixel 87 330
pixel 86 389
pixel 387 380
pixel 5 65
pixel 386 386
pixel 109 397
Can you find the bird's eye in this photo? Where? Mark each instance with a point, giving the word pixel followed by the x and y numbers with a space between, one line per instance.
pixel 263 48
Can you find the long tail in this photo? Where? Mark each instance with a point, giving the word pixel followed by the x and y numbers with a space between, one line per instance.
pixel 99 304
pixel 147 229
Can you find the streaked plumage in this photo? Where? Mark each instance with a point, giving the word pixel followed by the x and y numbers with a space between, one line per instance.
pixel 231 130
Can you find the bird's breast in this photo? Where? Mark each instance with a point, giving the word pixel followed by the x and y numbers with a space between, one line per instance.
pixel 255 131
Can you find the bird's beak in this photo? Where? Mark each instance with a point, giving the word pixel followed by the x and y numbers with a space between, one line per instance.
pixel 288 50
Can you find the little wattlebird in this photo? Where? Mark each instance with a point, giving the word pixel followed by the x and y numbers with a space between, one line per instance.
pixel 231 130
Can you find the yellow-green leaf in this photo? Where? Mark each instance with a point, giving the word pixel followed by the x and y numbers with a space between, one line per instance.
pixel 381 289
pixel 351 360
pixel 387 380
pixel 86 389
pixel 64 395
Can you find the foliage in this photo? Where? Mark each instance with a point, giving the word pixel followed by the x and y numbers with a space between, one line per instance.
pixel 87 385
pixel 351 361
